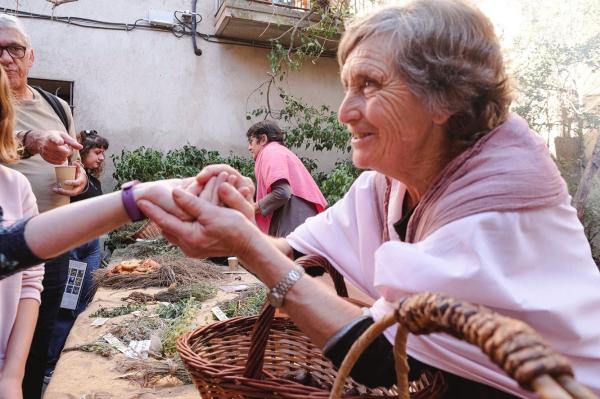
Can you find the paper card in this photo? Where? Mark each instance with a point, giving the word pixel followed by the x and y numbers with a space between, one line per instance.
pixel 74 282
pixel 140 348
pixel 219 314
pixel 99 321
pixel 118 345
pixel 234 288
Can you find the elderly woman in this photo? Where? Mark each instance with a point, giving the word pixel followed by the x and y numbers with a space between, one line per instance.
pixel 286 193
pixel 462 198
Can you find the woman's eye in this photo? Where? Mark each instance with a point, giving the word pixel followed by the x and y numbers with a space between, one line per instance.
pixel 367 83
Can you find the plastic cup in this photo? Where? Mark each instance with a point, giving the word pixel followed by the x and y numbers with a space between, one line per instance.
pixel 233 262
pixel 64 172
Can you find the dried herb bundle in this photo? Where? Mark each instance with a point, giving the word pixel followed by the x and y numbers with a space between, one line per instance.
pixel 117 311
pixel 248 303
pixel 147 372
pixel 174 269
pixel 201 291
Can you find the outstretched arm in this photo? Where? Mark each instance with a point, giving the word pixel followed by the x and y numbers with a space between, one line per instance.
pixel 84 220
pixel 218 230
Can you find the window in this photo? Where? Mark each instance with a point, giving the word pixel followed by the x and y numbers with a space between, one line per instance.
pixel 60 88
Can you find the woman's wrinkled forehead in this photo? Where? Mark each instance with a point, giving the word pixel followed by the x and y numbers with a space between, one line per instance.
pixel 368 58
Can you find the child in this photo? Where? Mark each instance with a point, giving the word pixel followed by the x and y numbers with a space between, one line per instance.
pixel 19 293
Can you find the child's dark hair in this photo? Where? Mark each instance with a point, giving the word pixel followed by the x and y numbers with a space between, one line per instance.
pixel 268 128
pixel 90 139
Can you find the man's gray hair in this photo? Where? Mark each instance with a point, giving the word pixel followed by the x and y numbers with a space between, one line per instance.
pixel 12 22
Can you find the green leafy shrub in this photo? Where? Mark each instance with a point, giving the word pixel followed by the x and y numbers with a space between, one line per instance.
pixel 148 164
pixel 337 182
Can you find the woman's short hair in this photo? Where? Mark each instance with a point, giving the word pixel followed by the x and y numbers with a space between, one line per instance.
pixel 8 142
pixel 90 139
pixel 268 128
pixel 449 56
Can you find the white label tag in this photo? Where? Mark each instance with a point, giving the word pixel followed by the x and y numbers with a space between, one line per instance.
pixel 74 283
pixel 99 321
pixel 118 345
pixel 234 288
pixel 140 348
pixel 219 314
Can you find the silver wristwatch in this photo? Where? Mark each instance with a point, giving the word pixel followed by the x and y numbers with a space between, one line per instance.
pixel 277 293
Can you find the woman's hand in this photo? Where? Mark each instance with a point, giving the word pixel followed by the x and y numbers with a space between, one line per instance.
pixel 242 183
pixel 215 230
pixel 160 193
pixel 10 388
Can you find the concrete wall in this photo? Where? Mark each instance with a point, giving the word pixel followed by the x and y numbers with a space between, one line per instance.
pixel 148 88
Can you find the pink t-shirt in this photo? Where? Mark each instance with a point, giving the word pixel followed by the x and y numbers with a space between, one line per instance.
pixel 17 202
pixel 276 162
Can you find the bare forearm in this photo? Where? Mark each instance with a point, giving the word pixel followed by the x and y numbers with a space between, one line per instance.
pixel 75 224
pixel 20 339
pixel 282 245
pixel 304 301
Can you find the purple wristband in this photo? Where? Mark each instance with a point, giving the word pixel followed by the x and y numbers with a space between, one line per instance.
pixel 129 203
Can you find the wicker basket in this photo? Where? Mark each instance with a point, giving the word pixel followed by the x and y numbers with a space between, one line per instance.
pixel 265 357
pixel 511 344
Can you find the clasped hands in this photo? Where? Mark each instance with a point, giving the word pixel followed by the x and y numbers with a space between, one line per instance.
pixel 211 214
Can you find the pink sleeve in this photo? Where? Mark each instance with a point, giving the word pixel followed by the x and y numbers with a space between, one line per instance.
pixel 32 282
pixel 32 277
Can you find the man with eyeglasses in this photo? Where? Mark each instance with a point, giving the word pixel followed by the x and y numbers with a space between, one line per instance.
pixel 46 142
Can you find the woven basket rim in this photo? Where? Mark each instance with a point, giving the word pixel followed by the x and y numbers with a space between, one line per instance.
pixel 231 376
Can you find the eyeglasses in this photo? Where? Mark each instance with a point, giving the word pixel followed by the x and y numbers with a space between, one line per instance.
pixel 15 51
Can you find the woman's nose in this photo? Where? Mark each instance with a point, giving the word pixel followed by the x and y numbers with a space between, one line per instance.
pixel 349 110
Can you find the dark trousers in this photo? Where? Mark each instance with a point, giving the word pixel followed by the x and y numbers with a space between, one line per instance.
pixel 90 254
pixel 55 278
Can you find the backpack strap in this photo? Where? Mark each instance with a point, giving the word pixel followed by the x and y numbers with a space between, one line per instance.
pixel 55 104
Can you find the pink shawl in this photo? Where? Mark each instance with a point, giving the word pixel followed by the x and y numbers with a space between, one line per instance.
pixel 276 162
pixel 508 170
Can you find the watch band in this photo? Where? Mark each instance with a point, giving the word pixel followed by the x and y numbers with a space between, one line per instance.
pixel 276 294
pixel 129 203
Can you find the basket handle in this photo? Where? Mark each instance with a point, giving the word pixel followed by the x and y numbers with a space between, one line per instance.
pixel 509 343
pixel 260 331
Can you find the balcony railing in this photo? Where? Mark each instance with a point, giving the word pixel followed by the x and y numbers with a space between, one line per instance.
pixel 301 4
pixel 266 20
pixel 356 6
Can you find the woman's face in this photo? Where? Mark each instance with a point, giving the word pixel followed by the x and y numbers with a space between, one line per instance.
pixel 94 158
pixel 392 131
pixel 256 144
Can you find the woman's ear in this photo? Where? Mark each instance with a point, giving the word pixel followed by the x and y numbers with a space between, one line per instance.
pixel 262 139
pixel 440 118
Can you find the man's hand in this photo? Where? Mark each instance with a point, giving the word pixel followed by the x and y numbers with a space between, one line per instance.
pixel 77 185
pixel 53 146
